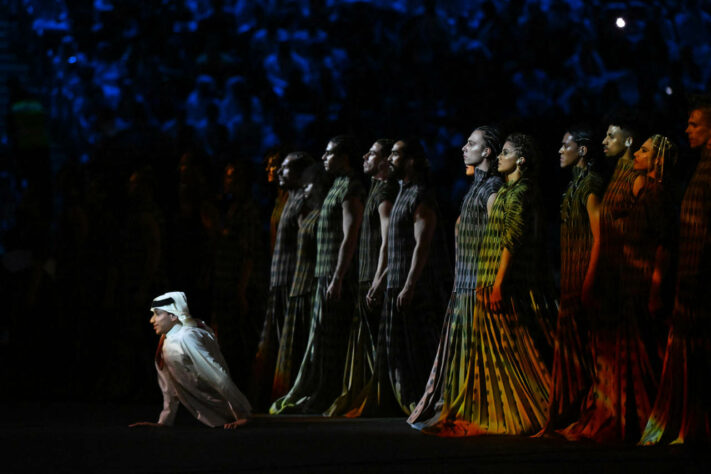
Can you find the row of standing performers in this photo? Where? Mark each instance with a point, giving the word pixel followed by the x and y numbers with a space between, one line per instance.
pixel 359 285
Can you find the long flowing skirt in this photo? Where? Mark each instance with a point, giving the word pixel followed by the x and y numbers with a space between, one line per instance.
pixel 360 356
pixel 572 365
pixel 268 348
pixel 682 409
pixel 292 343
pixel 407 343
pixel 501 370
pixel 319 380
pixel 619 401
pixel 446 393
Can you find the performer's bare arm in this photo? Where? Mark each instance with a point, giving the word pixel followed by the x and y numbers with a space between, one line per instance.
pixel 352 217
pixel 425 224
pixel 376 289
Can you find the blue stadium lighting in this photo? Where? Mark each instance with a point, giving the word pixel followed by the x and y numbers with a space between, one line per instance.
pixel 72 59
pixel 669 90
pixel 621 23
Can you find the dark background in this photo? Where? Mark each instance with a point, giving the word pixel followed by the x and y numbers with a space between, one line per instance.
pixel 92 91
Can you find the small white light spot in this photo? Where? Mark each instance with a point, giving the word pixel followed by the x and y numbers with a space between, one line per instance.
pixel 621 23
pixel 669 90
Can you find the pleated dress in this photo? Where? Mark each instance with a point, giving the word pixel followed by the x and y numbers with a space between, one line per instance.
pixel 508 376
pixel 572 360
pixel 682 406
pixel 618 402
pixel 449 385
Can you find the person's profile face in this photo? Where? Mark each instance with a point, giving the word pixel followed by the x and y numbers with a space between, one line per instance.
pixel 331 158
pixel 271 168
pixel 396 160
pixel 507 158
pixel 474 150
pixel 614 142
pixel 644 157
pixel 286 172
pixel 698 129
pixel 569 151
pixel 373 159
pixel 162 321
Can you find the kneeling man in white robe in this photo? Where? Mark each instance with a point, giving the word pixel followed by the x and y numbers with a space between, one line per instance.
pixel 191 368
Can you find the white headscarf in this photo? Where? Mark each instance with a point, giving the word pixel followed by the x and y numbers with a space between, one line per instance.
pixel 176 303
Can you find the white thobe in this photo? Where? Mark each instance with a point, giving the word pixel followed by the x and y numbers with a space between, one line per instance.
pixel 195 374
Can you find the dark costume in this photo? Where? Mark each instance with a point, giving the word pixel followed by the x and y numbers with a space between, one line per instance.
pixel 681 410
pixel 298 308
pixel 282 272
pixel 319 380
pixel 407 340
pixel 361 341
pixel 572 361
pixel 618 402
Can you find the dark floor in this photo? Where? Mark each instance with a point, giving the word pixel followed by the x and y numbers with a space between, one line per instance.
pixel 61 437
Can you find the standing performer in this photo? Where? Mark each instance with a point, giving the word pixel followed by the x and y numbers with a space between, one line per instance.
pixel 618 402
pixel 682 411
pixel 512 315
pixel 418 278
pixel 449 388
pixel 372 258
pixel 315 183
pixel 191 369
pixel 282 272
pixel 579 238
pixel 319 382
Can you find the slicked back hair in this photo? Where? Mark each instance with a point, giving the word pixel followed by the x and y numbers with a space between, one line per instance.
pixel 413 149
pixel 492 138
pixel 348 145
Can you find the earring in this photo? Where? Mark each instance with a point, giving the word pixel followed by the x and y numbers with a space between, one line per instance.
pixel 628 142
pixel 519 162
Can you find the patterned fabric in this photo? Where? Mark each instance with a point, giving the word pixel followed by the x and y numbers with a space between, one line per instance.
pixel 360 355
pixel 303 282
pixel 449 377
pixel 330 226
pixel 284 256
pixel 292 343
pixel 618 402
pixel 472 222
pixel 279 204
pixel 318 382
pixel 361 340
pixel 614 213
pixel 572 360
pixel 407 340
pixel 370 234
pixel 504 378
pixel 298 311
pixel 400 231
pixel 681 412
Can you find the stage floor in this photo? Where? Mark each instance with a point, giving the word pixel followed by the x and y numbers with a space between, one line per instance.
pixel 63 437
